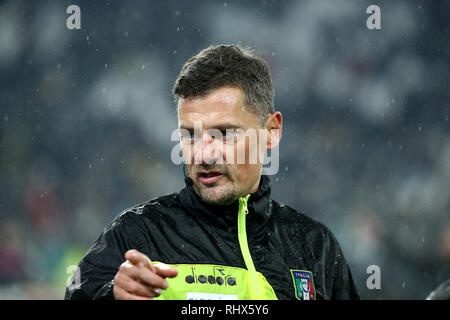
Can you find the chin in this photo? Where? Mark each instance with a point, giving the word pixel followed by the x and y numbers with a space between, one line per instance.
pixel 218 196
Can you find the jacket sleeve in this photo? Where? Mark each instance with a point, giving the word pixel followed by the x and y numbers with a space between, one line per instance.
pixel 343 285
pixel 94 276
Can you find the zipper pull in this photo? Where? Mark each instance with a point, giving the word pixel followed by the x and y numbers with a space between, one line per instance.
pixel 243 204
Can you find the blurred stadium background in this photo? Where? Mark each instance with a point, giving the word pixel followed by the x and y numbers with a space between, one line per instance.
pixel 86 117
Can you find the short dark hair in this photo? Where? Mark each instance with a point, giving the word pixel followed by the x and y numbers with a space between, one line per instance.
pixel 228 65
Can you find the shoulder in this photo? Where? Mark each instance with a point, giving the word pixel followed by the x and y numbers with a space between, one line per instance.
pixel 323 256
pixel 290 215
pixel 140 211
pixel 312 231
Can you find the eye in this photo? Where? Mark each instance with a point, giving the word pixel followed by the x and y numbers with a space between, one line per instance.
pixel 231 136
pixel 184 134
pixel 228 131
pixel 187 136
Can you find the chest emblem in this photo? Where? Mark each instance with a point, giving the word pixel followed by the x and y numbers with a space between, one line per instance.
pixel 303 284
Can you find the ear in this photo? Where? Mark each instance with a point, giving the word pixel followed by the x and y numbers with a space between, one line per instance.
pixel 274 126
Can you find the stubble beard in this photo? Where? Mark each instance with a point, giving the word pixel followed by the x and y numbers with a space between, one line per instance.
pixel 218 195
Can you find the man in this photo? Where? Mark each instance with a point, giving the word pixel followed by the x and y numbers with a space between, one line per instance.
pixel 221 237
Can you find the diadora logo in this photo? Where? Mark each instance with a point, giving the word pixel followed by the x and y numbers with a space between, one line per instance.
pixel 217 276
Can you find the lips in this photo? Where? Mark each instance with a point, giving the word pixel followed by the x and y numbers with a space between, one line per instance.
pixel 208 177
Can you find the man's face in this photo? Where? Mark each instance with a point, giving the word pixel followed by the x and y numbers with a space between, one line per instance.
pixel 218 176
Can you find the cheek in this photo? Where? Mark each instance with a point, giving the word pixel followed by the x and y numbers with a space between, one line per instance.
pixel 191 171
pixel 242 174
pixel 240 152
pixel 250 146
pixel 188 153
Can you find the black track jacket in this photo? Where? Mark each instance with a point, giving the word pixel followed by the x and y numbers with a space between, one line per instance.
pixel 255 248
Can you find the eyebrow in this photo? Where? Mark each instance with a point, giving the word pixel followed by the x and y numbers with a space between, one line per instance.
pixel 219 126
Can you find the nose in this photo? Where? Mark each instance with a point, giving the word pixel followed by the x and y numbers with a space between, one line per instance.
pixel 207 150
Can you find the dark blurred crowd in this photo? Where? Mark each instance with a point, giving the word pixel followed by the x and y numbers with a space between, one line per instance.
pixel 86 118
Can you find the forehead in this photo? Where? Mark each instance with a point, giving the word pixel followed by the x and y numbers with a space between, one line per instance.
pixel 226 104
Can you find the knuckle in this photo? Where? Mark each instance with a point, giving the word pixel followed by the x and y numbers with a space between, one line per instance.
pixel 126 267
pixel 137 272
pixel 118 279
pixel 158 281
pixel 133 287
pixel 123 266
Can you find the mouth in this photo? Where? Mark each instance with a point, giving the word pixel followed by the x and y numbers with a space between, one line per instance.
pixel 208 177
